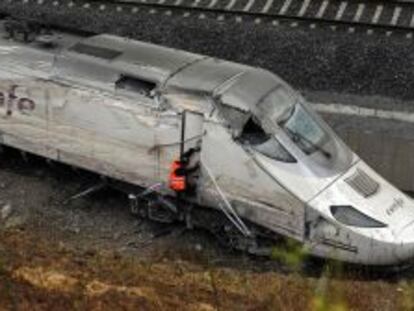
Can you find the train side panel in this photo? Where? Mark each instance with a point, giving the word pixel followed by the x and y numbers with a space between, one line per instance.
pixel 24 115
pixel 87 128
pixel 254 194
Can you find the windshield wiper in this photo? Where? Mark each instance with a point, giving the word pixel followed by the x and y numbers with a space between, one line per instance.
pixel 297 135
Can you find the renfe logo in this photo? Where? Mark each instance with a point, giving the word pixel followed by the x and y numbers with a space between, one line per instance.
pixel 11 102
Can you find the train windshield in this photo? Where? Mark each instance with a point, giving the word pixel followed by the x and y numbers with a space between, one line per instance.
pixel 281 108
pixel 304 131
pixel 282 111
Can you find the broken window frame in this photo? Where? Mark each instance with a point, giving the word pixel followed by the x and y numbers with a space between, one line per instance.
pixel 148 89
pixel 238 126
pixel 180 99
pixel 267 145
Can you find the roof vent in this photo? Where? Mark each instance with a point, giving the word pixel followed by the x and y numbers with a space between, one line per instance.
pixel 95 51
pixel 362 183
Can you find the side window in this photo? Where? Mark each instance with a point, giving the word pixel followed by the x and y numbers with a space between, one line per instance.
pixel 254 136
pixel 135 85
pixel 236 118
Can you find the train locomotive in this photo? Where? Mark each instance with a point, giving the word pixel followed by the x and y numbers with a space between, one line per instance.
pixel 196 136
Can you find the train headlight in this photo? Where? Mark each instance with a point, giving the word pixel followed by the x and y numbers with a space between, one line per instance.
pixel 350 216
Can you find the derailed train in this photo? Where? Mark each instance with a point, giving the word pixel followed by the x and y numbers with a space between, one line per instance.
pixel 265 163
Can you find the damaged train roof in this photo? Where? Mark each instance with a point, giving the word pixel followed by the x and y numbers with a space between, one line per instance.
pixel 173 70
pixel 102 59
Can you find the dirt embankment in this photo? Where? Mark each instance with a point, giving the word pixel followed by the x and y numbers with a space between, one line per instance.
pixel 39 275
pixel 91 254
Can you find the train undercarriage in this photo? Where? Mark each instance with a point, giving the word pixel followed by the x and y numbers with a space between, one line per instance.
pixel 150 205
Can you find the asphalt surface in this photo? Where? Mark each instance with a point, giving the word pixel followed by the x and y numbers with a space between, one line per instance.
pixel 319 61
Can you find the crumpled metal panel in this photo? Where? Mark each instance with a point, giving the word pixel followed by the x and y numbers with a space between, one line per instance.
pixel 237 85
pixel 250 88
pixel 140 59
pixel 204 76
pixel 254 194
pixel 236 117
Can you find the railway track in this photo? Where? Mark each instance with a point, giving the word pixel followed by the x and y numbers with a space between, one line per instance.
pixel 387 16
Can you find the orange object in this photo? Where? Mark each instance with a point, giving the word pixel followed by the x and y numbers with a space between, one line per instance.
pixel 177 182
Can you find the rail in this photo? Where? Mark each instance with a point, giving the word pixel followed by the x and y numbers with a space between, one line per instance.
pixel 389 15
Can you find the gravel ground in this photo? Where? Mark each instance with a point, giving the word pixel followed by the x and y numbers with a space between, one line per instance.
pixel 320 62
pixel 38 196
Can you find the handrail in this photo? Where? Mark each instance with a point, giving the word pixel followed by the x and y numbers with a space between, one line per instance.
pixel 228 209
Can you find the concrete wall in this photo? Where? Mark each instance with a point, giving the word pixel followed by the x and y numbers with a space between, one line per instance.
pixel 386 145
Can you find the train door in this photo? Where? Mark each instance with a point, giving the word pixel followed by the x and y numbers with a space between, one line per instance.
pixel 179 138
pixel 192 128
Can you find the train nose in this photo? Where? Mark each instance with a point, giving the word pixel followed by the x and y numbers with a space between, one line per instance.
pixel 405 248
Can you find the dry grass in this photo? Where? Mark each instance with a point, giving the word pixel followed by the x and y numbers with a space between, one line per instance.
pixel 38 275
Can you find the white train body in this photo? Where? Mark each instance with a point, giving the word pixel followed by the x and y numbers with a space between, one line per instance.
pixel 113 106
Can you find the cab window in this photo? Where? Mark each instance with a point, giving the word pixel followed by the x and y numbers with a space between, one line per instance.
pixel 248 131
pixel 304 131
pixel 254 136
